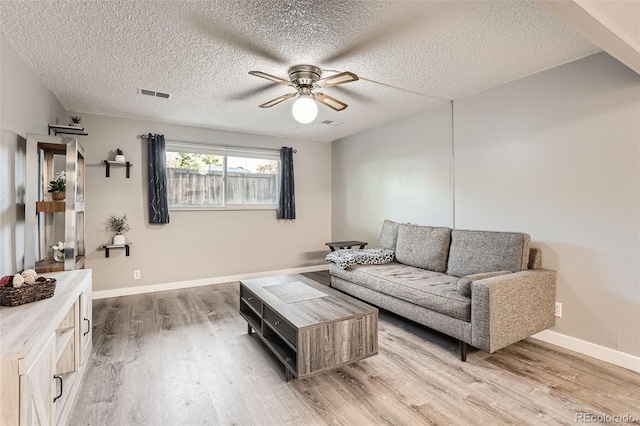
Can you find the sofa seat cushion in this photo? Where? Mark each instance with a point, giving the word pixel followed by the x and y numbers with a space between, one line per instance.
pixel 425 247
pixel 475 252
pixel 431 290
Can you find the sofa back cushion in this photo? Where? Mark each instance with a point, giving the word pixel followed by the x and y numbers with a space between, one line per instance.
pixel 423 247
pixel 389 235
pixel 475 252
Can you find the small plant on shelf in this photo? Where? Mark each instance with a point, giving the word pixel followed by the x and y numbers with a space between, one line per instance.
pixel 120 155
pixel 58 186
pixel 75 120
pixel 119 225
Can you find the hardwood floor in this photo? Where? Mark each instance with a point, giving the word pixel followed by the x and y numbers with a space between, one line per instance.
pixel 184 357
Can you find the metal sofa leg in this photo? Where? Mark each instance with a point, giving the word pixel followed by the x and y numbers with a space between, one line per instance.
pixel 463 351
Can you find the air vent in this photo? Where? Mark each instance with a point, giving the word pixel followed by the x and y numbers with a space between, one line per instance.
pixel 154 93
pixel 332 123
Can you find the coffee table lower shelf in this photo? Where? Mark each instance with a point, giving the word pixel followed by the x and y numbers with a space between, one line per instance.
pixel 275 345
pixel 317 346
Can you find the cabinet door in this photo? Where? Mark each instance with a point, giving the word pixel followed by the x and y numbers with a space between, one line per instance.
pixel 37 388
pixel 86 325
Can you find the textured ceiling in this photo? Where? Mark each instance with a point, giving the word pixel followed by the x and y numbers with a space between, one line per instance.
pixel 95 55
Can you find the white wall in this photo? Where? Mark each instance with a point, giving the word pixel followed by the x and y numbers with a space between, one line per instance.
pixel 197 244
pixel 556 155
pixel 400 171
pixel 26 106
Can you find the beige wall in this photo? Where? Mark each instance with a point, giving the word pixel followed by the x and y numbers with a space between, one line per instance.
pixel 198 244
pixel 26 106
pixel 400 171
pixel 556 155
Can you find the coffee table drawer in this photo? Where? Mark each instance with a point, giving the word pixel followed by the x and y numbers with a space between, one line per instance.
pixel 276 322
pixel 250 298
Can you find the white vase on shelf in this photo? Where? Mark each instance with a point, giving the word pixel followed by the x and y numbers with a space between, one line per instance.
pixel 120 158
pixel 119 239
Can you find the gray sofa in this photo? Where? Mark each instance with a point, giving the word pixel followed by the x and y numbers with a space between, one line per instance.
pixel 486 289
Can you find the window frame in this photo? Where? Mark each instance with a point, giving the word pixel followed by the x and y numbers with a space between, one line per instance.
pixel 224 152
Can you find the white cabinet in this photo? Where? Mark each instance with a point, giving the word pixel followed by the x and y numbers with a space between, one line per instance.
pixel 45 346
pixel 37 389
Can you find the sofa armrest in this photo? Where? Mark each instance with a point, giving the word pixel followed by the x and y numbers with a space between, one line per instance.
pixel 508 308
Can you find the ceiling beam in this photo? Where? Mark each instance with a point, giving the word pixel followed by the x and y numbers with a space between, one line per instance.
pixel 614 26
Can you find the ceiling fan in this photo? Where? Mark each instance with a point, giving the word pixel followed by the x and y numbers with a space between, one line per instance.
pixel 305 79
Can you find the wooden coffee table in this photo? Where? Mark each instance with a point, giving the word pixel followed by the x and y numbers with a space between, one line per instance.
pixel 310 327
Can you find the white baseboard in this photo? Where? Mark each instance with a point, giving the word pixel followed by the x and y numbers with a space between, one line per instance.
pixel 128 291
pixel 611 356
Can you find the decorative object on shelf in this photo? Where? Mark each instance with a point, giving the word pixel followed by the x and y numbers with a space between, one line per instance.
pixel 25 288
pixel 120 156
pixel 119 225
pixel 75 121
pixel 58 252
pixel 58 186
pixel 58 195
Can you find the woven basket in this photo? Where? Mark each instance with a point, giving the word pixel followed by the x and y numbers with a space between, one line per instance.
pixel 27 293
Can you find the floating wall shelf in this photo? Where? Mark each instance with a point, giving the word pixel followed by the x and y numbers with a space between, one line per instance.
pixel 50 265
pixel 108 164
pixel 51 206
pixel 66 130
pixel 107 247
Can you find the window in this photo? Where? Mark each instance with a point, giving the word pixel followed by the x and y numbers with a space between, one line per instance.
pixel 201 177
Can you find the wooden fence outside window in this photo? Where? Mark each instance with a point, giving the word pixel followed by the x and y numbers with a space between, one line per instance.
pixel 190 188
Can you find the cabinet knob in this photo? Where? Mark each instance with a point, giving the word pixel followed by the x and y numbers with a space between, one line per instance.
pixel 249 298
pixel 276 323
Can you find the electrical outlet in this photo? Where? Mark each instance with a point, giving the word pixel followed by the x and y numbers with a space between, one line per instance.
pixel 136 274
pixel 559 309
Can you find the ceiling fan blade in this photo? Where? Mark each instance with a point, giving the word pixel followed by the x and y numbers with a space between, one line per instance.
pixel 271 77
pixel 334 80
pixel 332 103
pixel 277 100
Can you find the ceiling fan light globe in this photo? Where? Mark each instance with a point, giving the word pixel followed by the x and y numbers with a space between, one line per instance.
pixel 304 110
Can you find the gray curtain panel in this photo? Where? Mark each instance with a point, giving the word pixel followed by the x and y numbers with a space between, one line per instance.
pixel 287 203
pixel 157 175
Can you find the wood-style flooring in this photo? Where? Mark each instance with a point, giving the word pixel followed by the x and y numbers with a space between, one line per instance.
pixel 184 357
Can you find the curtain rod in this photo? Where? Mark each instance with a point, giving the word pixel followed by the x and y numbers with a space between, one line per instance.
pixel 295 151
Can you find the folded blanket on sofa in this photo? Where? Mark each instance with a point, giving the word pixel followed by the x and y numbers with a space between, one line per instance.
pixel 371 256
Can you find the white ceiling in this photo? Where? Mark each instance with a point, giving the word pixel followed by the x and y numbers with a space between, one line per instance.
pixel 95 55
